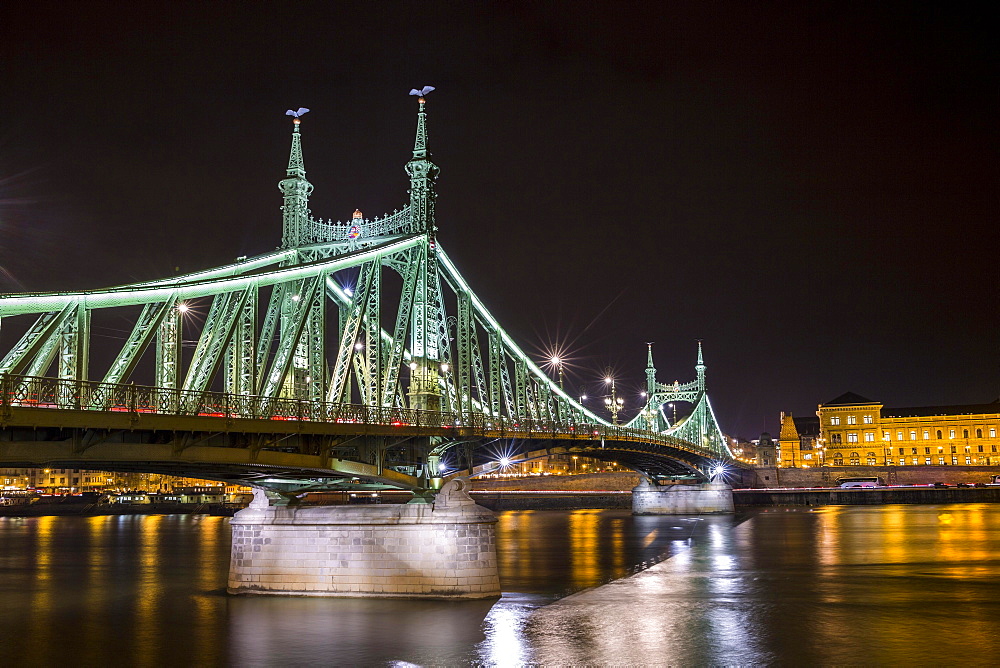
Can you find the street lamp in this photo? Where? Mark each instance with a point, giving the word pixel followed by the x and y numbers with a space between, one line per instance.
pixel 673 407
pixel 613 402
pixel 556 361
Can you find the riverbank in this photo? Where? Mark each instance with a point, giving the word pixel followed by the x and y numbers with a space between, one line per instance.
pixel 864 496
pixel 92 509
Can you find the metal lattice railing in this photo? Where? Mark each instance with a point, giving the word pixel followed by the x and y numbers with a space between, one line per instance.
pixel 60 394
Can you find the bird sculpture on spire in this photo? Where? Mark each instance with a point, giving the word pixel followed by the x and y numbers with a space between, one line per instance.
pixel 420 93
pixel 297 114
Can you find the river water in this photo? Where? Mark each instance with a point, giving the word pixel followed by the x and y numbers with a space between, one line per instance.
pixel 890 585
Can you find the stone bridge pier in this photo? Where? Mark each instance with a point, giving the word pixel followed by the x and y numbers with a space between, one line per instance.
pixel 443 549
pixel 708 498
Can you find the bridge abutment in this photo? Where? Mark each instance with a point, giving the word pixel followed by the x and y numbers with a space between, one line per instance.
pixel 702 499
pixel 446 549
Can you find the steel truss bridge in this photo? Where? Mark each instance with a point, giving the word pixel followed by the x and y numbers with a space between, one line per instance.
pixel 355 354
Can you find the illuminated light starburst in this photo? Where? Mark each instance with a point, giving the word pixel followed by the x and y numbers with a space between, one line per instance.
pixel 719 472
pixel 504 456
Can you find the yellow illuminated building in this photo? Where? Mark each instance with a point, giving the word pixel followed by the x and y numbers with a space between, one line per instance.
pixel 858 431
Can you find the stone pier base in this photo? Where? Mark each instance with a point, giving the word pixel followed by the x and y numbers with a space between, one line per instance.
pixel 704 499
pixel 445 549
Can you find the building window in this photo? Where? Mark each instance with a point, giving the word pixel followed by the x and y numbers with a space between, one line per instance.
pixel 913 434
pixel 940 449
pixel 869 436
pixel 953 449
pixel 852 419
pixel 868 419
pixel 968 460
pixel 899 435
pixel 940 460
pixel 835 419
pixel 993 448
pixel 871 459
pixel 927 461
pixel 901 451
pixel 993 432
pixel 968 449
pixel 915 461
pixel 855 459
pixel 979 433
pixel 835 438
pixel 951 433
pixel 927 451
pixel 965 433
pixel 838 459
pixel 902 461
pixel 939 435
pixel 954 460
pixel 852 437
pixel 980 448
pixel 927 434
pixel 885 436
pixel 913 451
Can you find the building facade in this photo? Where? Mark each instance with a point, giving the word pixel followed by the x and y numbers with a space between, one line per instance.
pixel 856 431
pixel 799 442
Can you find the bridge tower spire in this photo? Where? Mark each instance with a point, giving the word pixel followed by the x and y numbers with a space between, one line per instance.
pixel 429 345
pixel 423 172
pixel 650 372
pixel 700 369
pixel 296 190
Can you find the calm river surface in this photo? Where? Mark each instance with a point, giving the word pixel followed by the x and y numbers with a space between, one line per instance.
pixel 892 585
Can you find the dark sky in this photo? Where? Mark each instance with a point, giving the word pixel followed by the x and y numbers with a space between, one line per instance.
pixel 809 187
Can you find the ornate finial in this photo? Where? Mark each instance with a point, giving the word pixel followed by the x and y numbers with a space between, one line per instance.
pixel 357 215
pixel 420 143
pixel 419 93
pixel 650 370
pixel 296 190
pixel 700 369
pixel 296 116
pixel 422 171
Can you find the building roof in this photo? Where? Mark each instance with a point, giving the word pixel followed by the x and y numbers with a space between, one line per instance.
pixel 849 399
pixel 923 411
pixel 807 426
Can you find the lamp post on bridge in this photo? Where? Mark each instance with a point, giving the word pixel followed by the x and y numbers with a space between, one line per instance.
pixel 557 362
pixel 613 402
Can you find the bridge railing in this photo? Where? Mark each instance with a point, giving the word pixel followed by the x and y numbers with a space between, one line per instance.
pixel 67 394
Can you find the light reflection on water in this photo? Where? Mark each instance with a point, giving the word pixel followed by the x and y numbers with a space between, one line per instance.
pixel 837 585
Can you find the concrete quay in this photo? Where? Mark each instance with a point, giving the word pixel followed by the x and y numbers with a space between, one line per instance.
pixel 864 496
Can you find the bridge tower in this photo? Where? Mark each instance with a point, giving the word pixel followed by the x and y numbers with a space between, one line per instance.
pixel 429 335
pixel 700 426
pixel 306 371
pixel 650 371
pixel 296 190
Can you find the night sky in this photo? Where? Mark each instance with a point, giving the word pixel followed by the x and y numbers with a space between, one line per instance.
pixel 809 187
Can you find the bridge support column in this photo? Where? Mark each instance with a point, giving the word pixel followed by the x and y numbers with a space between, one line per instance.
pixel 446 549
pixel 705 499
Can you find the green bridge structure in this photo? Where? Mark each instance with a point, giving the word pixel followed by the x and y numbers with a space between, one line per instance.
pixel 300 382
